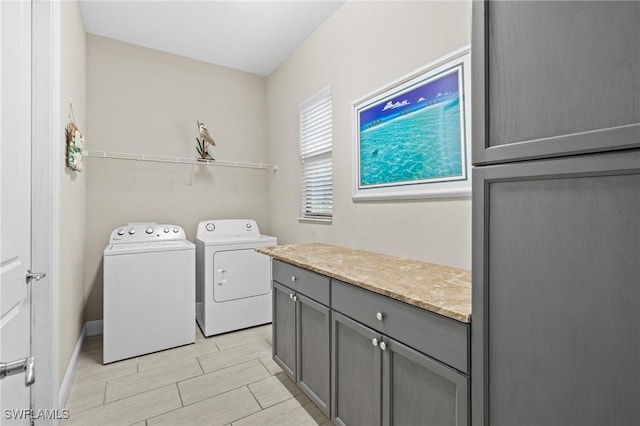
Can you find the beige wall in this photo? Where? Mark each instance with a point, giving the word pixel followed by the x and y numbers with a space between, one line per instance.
pixel 362 47
pixel 72 184
pixel 145 101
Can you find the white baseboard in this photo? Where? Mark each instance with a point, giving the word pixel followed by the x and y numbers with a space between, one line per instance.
pixel 93 328
pixel 65 386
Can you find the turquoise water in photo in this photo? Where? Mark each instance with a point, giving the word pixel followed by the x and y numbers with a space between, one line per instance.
pixel 417 146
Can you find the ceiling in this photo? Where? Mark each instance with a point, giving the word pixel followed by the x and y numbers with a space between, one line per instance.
pixel 252 36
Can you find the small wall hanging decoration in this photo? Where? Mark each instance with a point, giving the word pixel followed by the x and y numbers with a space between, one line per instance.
pixel 412 136
pixel 204 142
pixel 74 142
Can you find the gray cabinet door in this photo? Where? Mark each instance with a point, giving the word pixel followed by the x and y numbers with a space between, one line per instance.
pixel 284 329
pixel 356 394
pixel 417 390
pixel 314 351
pixel 554 78
pixel 556 291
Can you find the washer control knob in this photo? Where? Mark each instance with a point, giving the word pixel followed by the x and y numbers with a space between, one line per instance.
pixel 248 226
pixel 175 230
pixel 149 230
pixel 166 229
pixel 120 231
pixel 132 231
pixel 210 227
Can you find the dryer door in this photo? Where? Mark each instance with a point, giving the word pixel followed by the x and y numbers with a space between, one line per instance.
pixel 240 273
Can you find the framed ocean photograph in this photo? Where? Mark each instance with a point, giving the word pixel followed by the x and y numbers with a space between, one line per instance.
pixel 412 137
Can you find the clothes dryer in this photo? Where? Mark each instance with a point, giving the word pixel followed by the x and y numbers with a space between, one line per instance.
pixel 233 281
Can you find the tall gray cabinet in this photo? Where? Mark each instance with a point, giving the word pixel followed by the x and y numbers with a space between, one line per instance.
pixel 556 213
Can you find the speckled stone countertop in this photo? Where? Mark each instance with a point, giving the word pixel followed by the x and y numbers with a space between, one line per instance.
pixel 436 288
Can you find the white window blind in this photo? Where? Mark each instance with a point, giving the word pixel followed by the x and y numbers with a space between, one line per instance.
pixel 316 165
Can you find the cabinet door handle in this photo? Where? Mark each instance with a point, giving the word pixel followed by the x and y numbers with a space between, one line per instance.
pixel 293 278
pixel 295 298
pixel 374 341
pixel 383 346
pixel 379 316
pixel 291 296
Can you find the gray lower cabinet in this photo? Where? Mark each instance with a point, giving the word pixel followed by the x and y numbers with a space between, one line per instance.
pixel 365 359
pixel 284 329
pixel 417 390
pixel 356 373
pixel 301 342
pixel 314 351
pixel 379 381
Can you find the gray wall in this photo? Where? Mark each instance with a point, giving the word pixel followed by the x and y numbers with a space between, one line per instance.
pixel 360 48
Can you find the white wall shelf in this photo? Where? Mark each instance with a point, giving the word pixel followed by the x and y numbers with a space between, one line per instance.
pixel 177 160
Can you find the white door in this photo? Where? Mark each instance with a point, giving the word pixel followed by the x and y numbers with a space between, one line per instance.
pixel 15 212
pixel 239 274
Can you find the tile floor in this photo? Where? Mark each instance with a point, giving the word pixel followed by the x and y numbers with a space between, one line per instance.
pixel 228 379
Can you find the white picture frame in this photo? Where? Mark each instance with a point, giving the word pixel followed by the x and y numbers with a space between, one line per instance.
pixel 412 137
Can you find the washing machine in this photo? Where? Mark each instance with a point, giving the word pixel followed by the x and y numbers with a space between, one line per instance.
pixel 149 290
pixel 233 281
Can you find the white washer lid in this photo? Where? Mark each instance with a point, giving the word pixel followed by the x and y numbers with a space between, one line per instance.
pixel 148 247
pixel 239 239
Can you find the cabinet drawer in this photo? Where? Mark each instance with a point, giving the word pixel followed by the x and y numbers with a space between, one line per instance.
pixel 442 338
pixel 303 281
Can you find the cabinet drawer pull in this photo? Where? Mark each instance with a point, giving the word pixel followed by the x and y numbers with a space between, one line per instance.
pixel 374 341
pixel 383 346
pixel 379 316
pixel 293 278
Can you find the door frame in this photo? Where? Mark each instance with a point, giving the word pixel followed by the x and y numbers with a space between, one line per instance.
pixel 46 164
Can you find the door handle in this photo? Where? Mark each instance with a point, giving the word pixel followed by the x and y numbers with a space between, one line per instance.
pixel 26 366
pixel 30 372
pixel 34 276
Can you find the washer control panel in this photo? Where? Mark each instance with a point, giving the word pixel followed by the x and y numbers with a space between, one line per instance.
pixel 147 231
pixel 227 228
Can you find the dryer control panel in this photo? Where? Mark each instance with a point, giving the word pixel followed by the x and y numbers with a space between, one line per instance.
pixel 227 228
pixel 146 231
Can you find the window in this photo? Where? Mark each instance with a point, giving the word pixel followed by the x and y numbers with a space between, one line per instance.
pixel 316 165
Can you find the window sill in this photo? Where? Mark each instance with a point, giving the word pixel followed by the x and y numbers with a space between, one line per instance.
pixel 327 221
